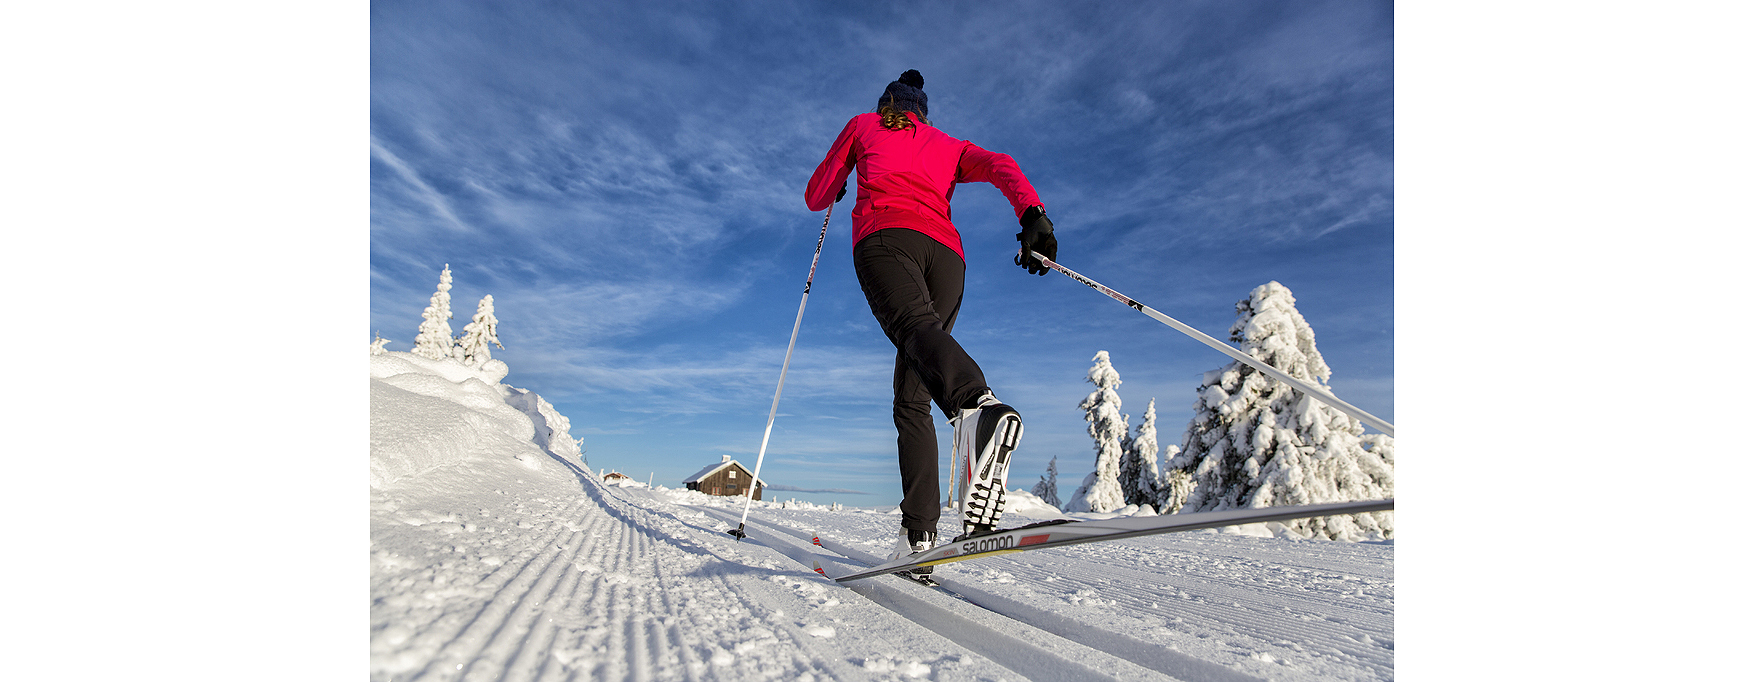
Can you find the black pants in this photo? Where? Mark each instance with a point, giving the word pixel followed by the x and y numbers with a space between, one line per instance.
pixel 914 285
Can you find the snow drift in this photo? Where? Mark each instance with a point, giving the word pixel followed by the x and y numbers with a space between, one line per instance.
pixel 427 414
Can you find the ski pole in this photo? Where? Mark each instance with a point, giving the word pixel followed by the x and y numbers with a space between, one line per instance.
pixel 741 528
pixel 1316 392
pixel 954 460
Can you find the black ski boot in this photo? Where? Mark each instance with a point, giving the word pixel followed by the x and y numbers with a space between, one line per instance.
pixel 912 542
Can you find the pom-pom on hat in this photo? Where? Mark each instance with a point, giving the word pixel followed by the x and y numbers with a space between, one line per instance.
pixel 907 94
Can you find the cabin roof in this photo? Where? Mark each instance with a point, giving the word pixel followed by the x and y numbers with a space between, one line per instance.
pixel 712 469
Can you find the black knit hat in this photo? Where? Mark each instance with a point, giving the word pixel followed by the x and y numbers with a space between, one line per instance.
pixel 907 94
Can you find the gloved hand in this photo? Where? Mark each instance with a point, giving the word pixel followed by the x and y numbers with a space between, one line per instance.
pixel 1036 236
pixel 841 194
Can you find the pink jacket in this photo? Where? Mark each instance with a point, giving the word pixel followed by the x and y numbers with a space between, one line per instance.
pixel 905 178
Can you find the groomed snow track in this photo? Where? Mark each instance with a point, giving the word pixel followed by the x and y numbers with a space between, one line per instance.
pixel 1031 642
pixel 560 578
pixel 545 583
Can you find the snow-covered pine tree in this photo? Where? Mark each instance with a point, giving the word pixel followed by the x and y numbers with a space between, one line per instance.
pixel 1380 444
pixel 1047 488
pixel 379 344
pixel 435 339
pixel 1139 471
pixel 1100 491
pixel 1176 483
pixel 1254 442
pixel 1128 464
pixel 481 332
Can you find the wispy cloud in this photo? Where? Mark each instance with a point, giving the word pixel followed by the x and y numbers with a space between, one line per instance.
pixel 433 199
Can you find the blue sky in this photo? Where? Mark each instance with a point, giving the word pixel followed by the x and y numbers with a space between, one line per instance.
pixel 625 179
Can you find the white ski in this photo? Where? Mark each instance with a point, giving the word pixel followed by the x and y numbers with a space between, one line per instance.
pixel 1062 533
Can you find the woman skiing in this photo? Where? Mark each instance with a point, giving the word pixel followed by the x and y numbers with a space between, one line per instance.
pixel 909 262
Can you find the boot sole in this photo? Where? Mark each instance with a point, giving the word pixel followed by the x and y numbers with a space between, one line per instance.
pixel 991 473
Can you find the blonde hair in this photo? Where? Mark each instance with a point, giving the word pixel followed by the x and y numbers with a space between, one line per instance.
pixel 894 118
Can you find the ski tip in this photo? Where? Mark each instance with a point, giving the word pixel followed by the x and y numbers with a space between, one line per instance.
pixel 818 568
pixel 815 539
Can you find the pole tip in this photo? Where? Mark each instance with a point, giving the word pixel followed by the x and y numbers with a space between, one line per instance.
pixel 739 533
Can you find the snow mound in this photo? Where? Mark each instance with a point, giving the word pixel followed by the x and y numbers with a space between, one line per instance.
pixel 552 429
pixel 392 363
pixel 1023 503
pixel 427 414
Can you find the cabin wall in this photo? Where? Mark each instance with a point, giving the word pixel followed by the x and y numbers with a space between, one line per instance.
pixel 720 483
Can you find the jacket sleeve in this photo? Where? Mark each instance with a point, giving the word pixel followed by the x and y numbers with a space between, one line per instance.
pixel 830 176
pixel 979 165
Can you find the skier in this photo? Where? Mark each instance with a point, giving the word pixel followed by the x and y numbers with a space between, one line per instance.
pixel 909 262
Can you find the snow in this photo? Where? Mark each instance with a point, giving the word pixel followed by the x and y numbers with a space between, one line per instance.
pixel 495 554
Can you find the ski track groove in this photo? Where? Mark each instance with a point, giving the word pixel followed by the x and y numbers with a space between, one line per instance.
pixel 1030 660
pixel 525 623
pixel 683 644
pixel 524 659
pixel 1199 596
pixel 586 540
pixel 491 613
pixel 638 641
pixel 751 608
pixel 1222 596
pixel 1226 606
pixel 586 589
pixel 516 623
pixel 595 597
pixel 583 577
pixel 648 644
pixel 618 667
pixel 1176 664
pixel 532 653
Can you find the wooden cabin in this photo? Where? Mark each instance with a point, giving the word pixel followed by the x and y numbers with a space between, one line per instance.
pixel 728 478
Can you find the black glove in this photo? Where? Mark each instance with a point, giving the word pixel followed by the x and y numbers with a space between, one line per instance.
pixel 841 194
pixel 1036 236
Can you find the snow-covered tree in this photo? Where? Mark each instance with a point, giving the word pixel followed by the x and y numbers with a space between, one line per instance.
pixel 1100 491
pixel 435 340
pixel 1379 444
pixel 1139 472
pixel 379 345
pixel 1255 442
pixel 1176 483
pixel 482 331
pixel 1047 488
